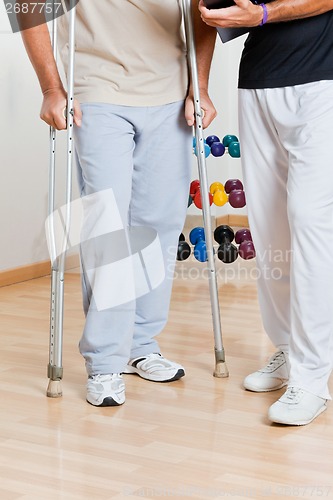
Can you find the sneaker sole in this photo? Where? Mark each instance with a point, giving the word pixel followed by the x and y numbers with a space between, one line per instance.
pixel 106 402
pixel 131 370
pixel 257 389
pixel 302 422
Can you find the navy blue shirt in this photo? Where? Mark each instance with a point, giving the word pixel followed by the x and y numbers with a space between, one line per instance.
pixel 289 53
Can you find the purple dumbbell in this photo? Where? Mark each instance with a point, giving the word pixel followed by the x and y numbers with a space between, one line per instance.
pixel 246 248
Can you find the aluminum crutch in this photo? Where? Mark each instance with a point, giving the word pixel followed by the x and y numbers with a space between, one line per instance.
pixel 221 369
pixel 55 369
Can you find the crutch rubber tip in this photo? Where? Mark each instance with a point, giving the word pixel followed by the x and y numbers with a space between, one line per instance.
pixel 54 389
pixel 221 370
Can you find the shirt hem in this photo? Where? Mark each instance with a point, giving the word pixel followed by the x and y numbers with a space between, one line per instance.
pixel 283 82
pixel 122 100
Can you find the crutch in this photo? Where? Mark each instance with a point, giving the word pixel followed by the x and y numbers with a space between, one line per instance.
pixel 55 369
pixel 221 369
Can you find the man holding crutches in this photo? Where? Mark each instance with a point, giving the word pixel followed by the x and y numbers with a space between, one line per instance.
pixel 133 136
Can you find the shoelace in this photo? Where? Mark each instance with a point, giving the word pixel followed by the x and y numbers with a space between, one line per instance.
pixel 275 361
pixel 293 393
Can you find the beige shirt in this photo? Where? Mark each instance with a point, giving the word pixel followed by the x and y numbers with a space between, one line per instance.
pixel 128 52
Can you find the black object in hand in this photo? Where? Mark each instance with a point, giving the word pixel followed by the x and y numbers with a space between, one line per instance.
pixel 222 4
pixel 218 4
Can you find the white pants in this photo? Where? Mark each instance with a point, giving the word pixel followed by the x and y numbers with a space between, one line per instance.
pixel 144 156
pixel 287 157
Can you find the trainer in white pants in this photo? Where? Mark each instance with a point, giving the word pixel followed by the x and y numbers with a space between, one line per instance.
pixel 144 155
pixel 287 158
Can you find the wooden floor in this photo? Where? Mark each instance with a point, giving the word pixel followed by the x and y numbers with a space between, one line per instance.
pixel 200 437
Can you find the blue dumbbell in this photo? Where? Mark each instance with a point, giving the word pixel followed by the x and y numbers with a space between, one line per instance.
pixel 217 149
pixel 206 146
pixel 211 139
pixel 197 238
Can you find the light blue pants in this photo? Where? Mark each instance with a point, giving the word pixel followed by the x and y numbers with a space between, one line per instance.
pixel 144 155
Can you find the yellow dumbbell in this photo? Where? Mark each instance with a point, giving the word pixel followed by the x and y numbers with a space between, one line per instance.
pixel 220 197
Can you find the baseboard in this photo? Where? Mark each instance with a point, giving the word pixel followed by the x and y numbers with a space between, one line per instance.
pixel 24 273
pixel 195 221
pixel 233 220
pixel 33 271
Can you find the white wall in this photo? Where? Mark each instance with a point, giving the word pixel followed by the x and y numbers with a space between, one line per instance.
pixel 24 153
pixel 25 144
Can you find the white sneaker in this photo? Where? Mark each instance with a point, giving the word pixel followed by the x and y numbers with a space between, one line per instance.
pixel 156 368
pixel 106 390
pixel 270 378
pixel 296 407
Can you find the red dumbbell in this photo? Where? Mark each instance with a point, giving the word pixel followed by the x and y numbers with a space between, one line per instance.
pixel 194 186
pixel 197 199
pixel 196 194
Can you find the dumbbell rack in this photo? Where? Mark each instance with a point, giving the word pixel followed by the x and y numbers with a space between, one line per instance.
pixel 221 369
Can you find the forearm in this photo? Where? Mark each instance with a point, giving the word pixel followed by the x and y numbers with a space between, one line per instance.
pixel 284 10
pixel 248 14
pixel 205 38
pixel 39 49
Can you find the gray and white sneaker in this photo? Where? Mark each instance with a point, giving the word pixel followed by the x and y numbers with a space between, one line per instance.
pixel 273 376
pixel 156 368
pixel 296 407
pixel 106 390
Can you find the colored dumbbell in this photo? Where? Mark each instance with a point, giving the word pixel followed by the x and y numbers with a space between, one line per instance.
pixel 216 146
pixel 205 145
pixel 233 184
pixel 184 249
pixel 211 139
pixel 243 235
pixel 220 197
pixel 194 189
pixel 198 201
pixel 228 139
pixel 246 248
pixel 237 198
pixel 217 149
pixel 195 193
pixel 197 238
pixel 232 143
pixel 213 145
pixel 194 186
pixel 234 150
pixel 227 252
pixel 234 188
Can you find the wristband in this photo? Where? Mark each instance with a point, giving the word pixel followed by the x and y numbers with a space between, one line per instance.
pixel 265 14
